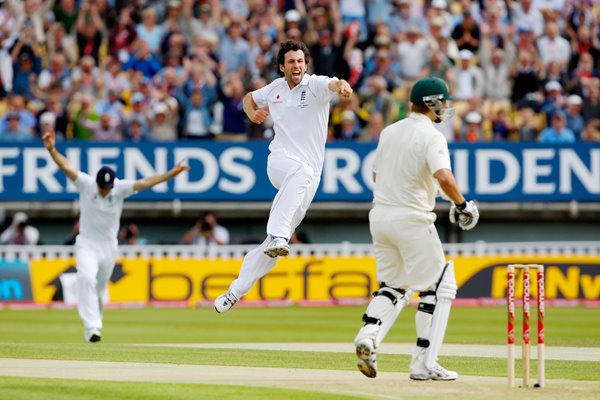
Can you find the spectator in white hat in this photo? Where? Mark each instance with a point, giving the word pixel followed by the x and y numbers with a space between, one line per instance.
pixel 471 130
pixel 293 19
pixel 575 120
pixel 20 231
pixel 163 121
pixel 439 8
pixel 468 77
pixel 554 99
pixel 553 86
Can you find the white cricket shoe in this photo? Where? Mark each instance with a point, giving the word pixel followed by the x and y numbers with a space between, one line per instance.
pixel 225 301
pixel 437 373
pixel 278 246
pixel 92 335
pixel 367 357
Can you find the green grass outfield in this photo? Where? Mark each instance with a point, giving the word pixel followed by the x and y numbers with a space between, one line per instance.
pixel 57 335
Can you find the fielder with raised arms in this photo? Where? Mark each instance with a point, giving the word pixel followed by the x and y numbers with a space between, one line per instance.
pixel 411 167
pixel 101 203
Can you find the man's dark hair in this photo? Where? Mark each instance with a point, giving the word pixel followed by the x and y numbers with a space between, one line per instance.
pixel 291 45
pixel 419 108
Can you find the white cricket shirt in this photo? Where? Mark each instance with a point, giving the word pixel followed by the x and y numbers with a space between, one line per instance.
pixel 100 216
pixel 300 116
pixel 409 152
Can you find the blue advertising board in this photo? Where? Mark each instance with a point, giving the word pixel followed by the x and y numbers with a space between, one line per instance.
pixel 221 171
pixel 15 283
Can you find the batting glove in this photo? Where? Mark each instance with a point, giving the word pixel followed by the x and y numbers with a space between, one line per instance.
pixel 466 214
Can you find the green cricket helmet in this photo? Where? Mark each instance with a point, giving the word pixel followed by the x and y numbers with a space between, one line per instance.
pixel 433 92
pixel 427 88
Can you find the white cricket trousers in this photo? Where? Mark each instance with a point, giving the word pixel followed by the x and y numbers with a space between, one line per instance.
pixel 95 263
pixel 408 250
pixel 297 184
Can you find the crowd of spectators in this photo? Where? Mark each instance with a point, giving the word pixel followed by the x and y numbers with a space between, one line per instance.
pixel 206 231
pixel 109 70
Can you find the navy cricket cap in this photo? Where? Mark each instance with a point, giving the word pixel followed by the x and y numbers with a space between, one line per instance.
pixel 106 178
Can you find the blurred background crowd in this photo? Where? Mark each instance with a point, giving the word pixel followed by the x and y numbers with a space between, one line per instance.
pixel 111 70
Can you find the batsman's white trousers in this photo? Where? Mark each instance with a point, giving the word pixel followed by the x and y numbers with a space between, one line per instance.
pixel 95 264
pixel 297 184
pixel 408 250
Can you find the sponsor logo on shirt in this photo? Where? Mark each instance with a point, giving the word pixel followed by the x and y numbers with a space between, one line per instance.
pixel 278 100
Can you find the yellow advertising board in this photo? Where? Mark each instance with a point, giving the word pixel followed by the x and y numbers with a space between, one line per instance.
pixel 311 278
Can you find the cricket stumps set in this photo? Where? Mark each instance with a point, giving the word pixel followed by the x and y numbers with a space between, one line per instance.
pixel 510 300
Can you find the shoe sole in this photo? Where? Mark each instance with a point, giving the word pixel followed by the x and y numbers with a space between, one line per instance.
pixel 95 338
pixel 430 378
pixel 420 377
pixel 222 311
pixel 441 378
pixel 277 251
pixel 364 366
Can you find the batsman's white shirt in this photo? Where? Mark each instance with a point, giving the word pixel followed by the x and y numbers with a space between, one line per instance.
pixel 407 247
pixel 409 152
pixel 96 244
pixel 300 116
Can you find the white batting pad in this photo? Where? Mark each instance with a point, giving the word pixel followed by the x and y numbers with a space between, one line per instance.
pixel 445 293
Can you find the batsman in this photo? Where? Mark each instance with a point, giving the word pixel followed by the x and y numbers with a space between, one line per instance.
pixel 411 168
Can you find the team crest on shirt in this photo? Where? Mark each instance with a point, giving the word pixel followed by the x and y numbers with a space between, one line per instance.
pixel 303 103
